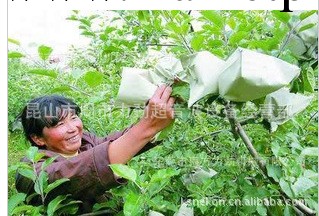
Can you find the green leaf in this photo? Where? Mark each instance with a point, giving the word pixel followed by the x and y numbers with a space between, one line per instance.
pixel 310 151
pixel 232 23
pixel 310 174
pixel 44 52
pixel 31 153
pixel 160 179
pixel 173 27
pixel 237 37
pixel 306 14
pixel 174 13
pixel 302 184
pixel 109 29
pixel 19 165
pixel 37 210
pixel 275 148
pixel 286 188
pixel 72 17
pixel 43 180
pixel 185 27
pixel 38 157
pixel 163 134
pixel 69 208
pixel 133 204
pixel 214 17
pixel 282 16
pixel 28 174
pixel 110 49
pixel 92 17
pixel 309 80
pixel 87 33
pixel 143 17
pixel 15 55
pixel 261 210
pixel 55 184
pixel 181 90
pixel 288 211
pixel 305 27
pixel 312 203
pixel 41 183
pixel 124 171
pixel 86 22
pixel 15 200
pixel 163 174
pixel 93 78
pixel 47 162
pixel 215 43
pixel 250 191
pixel 31 197
pixel 25 209
pixel 274 171
pixel 306 83
pixel 44 72
pixel 183 113
pixel 296 45
pixel 10 40
pixel 55 204
pixel 61 89
pixel 197 42
pixel 77 73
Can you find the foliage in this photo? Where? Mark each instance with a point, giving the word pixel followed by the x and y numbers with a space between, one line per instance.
pixel 20 203
pixel 200 138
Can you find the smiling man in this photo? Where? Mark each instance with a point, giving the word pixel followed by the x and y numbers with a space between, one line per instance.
pixel 52 123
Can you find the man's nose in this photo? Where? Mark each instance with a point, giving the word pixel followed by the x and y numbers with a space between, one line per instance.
pixel 71 127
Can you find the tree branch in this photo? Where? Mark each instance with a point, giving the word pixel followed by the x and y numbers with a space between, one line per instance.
pixel 209 112
pixel 250 147
pixel 155 44
pixel 243 122
pixel 185 43
pixel 74 88
pixel 230 113
pixel 313 115
pixel 103 212
pixel 287 39
pixel 210 134
pixel 209 149
pixel 261 163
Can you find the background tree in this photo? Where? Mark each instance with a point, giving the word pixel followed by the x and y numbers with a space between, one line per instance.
pixel 200 157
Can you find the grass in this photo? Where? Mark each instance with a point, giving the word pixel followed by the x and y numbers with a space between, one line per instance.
pixel 16 150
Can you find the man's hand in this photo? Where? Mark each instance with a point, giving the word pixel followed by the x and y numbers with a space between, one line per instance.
pixel 159 112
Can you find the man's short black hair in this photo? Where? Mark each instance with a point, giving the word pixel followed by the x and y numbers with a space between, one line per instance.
pixel 45 111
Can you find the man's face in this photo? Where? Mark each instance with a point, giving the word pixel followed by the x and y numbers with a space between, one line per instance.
pixel 65 137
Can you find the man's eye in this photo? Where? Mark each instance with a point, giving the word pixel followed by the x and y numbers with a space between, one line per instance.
pixel 59 124
pixel 74 117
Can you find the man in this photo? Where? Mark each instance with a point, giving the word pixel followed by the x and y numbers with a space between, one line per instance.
pixel 55 127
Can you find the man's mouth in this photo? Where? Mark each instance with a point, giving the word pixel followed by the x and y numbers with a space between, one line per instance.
pixel 74 138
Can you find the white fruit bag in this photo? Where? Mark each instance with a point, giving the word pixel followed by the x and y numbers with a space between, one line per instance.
pixel 250 75
pixel 281 105
pixel 154 213
pixel 310 35
pixel 169 68
pixel 185 210
pixel 136 87
pixel 203 69
pixel 198 176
